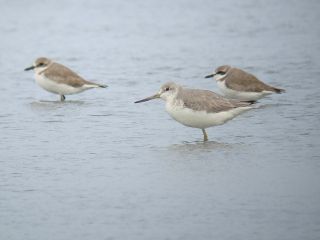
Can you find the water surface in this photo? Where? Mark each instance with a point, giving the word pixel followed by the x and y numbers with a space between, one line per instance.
pixel 100 167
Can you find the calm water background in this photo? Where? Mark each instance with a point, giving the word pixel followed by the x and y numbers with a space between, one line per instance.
pixel 100 167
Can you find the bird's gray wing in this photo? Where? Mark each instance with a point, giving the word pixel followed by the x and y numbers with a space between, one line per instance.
pixel 204 100
pixel 61 74
pixel 240 80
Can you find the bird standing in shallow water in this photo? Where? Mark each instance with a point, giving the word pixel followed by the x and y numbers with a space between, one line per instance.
pixel 198 108
pixel 58 79
pixel 238 84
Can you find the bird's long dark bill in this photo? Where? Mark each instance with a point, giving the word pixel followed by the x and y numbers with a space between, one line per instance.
pixel 29 68
pixel 210 76
pixel 148 98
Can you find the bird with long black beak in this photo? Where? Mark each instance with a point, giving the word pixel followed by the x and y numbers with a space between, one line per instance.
pixel 198 108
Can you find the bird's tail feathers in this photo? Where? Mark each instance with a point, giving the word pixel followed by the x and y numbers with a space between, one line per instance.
pixel 95 85
pixel 251 102
pixel 278 90
pixel 102 85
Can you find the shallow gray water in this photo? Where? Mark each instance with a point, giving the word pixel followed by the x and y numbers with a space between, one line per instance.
pixel 100 167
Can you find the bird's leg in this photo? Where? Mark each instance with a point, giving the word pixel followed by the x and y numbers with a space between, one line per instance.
pixel 205 136
pixel 62 98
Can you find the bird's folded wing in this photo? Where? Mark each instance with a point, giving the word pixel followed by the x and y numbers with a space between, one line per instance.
pixel 204 100
pixel 63 75
pixel 245 82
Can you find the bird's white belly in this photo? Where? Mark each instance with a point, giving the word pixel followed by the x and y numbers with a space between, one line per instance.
pixel 202 119
pixel 244 96
pixel 57 88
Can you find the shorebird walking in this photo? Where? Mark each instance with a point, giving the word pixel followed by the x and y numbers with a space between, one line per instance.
pixel 238 84
pixel 198 108
pixel 58 79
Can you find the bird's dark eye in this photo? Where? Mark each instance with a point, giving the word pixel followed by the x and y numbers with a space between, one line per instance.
pixel 221 73
pixel 40 64
pixel 167 89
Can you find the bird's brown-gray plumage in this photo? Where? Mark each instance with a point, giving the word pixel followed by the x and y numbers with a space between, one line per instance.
pixel 61 74
pixel 239 80
pixel 205 100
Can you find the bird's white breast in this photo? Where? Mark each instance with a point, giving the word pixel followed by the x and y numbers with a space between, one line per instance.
pixel 57 88
pixel 244 96
pixel 201 119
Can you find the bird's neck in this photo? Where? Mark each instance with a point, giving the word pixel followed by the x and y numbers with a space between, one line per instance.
pixel 39 71
pixel 173 102
pixel 220 78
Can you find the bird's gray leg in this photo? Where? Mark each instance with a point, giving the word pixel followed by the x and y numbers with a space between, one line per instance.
pixel 62 98
pixel 205 136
